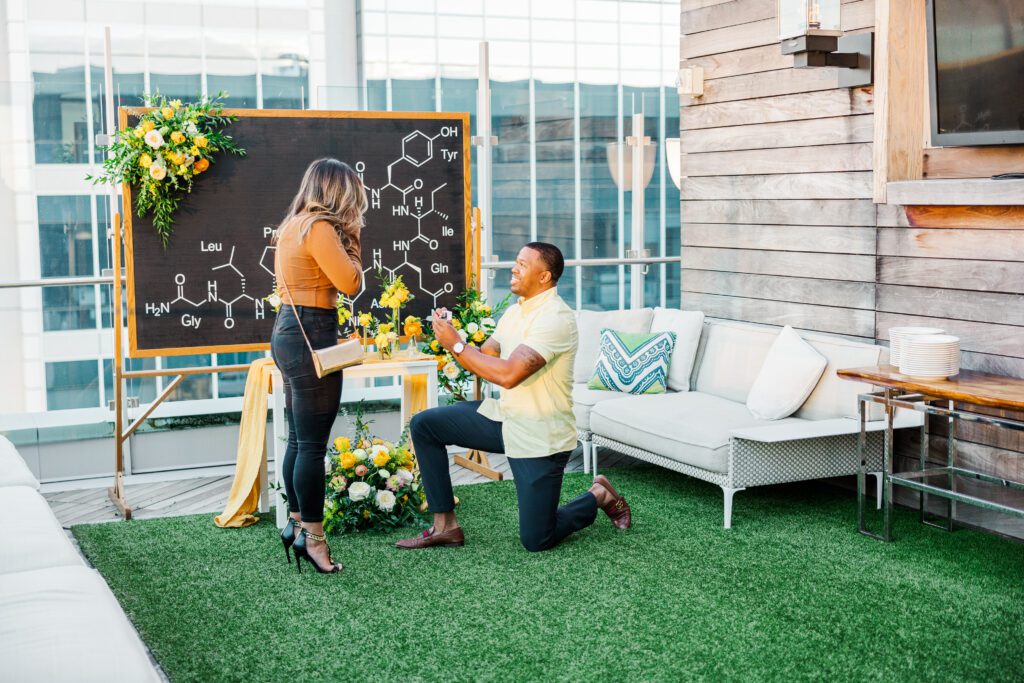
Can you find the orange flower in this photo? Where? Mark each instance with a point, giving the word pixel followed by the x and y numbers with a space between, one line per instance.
pixel 201 165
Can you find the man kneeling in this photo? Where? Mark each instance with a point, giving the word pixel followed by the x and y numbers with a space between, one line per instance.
pixel 530 356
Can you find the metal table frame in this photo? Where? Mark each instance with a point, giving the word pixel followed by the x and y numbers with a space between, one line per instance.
pixel 891 400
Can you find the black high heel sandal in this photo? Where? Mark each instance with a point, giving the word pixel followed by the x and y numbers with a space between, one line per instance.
pixel 299 548
pixel 289 533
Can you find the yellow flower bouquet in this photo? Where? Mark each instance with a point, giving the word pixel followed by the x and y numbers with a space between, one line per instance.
pixel 160 157
pixel 371 483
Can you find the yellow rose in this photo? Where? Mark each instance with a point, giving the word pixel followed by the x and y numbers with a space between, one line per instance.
pixel 342 443
pixel 201 141
pixel 377 442
pixel 175 103
pixel 384 328
pixel 479 336
pixel 347 460
pixel 145 161
pixel 167 112
pixel 381 341
pixel 434 346
pixel 194 151
pixel 381 459
pixel 139 133
pixel 201 165
pixel 183 169
pixel 157 172
pixel 177 137
pixel 441 361
pixel 486 310
pixel 402 295
pixel 456 324
pixel 365 319
pixel 148 125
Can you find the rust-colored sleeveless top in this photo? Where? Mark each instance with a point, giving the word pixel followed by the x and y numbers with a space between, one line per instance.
pixel 314 270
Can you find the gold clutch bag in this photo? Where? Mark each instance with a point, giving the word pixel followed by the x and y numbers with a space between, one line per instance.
pixel 331 358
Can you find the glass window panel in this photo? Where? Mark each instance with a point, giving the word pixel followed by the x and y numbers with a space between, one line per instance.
pixel 69 308
pixel 672 198
pixel 240 88
pixel 59 114
pixel 601 288
pixel 72 384
pixel 510 121
pixel 507 29
pixel 600 196
pixel 376 95
pixel 144 388
pixel 673 286
pixel 458 95
pixel 233 383
pixel 556 177
pixel 184 87
pixel 411 24
pixel 193 387
pixel 65 236
pixel 413 95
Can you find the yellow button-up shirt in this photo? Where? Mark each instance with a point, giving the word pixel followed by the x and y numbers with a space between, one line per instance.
pixel 536 416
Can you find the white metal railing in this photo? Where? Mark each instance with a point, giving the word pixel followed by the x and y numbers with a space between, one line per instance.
pixel 570 263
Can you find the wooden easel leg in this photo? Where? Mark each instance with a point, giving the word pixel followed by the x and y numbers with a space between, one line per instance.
pixel 478 462
pixel 116 493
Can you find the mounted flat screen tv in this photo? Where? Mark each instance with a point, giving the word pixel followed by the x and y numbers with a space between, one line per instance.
pixel 976 71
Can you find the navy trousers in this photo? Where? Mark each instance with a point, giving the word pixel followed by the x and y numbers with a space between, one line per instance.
pixel 542 524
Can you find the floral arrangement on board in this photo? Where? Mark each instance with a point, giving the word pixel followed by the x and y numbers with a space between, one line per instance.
pixel 371 483
pixel 385 334
pixel 474 320
pixel 162 155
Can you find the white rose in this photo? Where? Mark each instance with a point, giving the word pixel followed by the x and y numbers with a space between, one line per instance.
pixel 472 328
pixel 488 323
pixel 405 475
pixel 359 490
pixel 378 449
pixel 451 370
pixel 384 474
pixel 154 139
pixel 463 336
pixel 190 128
pixel 360 455
pixel 385 500
pixel 157 172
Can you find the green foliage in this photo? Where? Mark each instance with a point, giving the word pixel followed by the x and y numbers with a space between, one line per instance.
pixel 161 156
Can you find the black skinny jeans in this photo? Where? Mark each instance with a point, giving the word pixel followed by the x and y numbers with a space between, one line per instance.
pixel 310 402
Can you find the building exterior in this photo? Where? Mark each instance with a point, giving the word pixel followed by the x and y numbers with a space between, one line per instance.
pixel 564 76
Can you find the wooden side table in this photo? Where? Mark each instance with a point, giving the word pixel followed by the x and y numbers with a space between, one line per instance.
pixel 950 398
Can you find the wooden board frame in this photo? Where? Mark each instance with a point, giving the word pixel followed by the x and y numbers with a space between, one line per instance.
pixel 472 273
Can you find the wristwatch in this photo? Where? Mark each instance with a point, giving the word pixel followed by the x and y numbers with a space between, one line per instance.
pixel 458 348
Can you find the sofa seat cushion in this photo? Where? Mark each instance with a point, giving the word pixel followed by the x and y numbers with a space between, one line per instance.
pixel 584 399
pixel 13 470
pixel 63 624
pixel 31 537
pixel 692 428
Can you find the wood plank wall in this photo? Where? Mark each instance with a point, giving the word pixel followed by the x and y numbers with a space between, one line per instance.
pixel 778 224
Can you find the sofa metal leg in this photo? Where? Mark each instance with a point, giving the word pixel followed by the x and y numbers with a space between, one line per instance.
pixel 593 458
pixel 878 489
pixel 588 448
pixel 729 493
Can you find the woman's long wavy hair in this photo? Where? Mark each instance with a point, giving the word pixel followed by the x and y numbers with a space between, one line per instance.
pixel 330 191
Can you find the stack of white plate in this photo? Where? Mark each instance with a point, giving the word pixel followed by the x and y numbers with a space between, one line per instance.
pixel 930 356
pixel 898 334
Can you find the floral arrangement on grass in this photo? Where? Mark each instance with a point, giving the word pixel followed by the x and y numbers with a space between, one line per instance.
pixel 475 321
pixel 161 156
pixel 371 483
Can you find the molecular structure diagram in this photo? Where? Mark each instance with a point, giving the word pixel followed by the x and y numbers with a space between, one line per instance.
pixel 412 276
pixel 215 293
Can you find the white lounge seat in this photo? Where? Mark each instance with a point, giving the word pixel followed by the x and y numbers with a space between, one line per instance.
pixel 30 536
pixel 13 470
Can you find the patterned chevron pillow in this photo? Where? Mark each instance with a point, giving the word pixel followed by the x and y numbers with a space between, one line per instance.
pixel 633 362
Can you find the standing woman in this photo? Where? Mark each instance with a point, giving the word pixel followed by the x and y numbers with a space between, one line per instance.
pixel 317 256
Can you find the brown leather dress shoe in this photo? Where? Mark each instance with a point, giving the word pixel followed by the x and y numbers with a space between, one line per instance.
pixel 617 509
pixel 452 538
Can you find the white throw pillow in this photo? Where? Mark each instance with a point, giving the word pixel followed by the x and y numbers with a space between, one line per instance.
pixel 789 374
pixel 687 326
pixel 589 325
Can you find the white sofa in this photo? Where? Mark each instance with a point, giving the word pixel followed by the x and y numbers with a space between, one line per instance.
pixel 705 430
pixel 58 619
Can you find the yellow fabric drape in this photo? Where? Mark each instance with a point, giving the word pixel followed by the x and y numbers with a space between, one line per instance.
pixel 417 393
pixel 252 438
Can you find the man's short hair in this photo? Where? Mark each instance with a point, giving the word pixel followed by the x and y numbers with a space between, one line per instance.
pixel 552 258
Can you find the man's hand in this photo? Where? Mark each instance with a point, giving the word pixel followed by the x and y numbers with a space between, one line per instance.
pixel 445 334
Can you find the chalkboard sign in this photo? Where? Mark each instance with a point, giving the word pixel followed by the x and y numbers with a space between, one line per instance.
pixel 204 292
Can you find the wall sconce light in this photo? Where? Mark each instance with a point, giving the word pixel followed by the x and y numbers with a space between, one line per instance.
pixel 674 159
pixel 811 31
pixel 691 81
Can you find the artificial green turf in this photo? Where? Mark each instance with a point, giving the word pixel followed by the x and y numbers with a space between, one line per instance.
pixel 791 592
